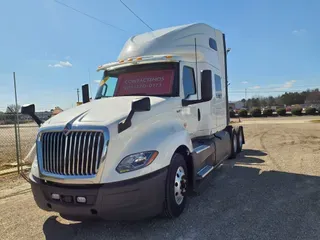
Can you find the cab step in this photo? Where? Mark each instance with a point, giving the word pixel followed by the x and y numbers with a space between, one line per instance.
pixel 204 172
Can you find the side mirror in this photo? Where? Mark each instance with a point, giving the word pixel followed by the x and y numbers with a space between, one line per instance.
pixel 85 93
pixel 141 105
pixel 206 85
pixel 29 109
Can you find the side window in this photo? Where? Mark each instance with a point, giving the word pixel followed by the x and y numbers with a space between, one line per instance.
pixel 213 44
pixel 189 85
pixel 218 87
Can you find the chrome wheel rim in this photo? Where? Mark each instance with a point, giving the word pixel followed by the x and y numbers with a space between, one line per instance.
pixel 235 143
pixel 180 185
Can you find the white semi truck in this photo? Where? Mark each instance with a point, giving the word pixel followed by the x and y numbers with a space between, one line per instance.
pixel 159 124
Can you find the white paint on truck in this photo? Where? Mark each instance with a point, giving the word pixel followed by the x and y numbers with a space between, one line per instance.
pixel 177 126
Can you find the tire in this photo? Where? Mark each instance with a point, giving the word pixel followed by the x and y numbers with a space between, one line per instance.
pixel 175 200
pixel 234 144
pixel 240 138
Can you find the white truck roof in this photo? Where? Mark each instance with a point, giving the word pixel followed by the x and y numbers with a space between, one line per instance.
pixel 178 42
pixel 175 41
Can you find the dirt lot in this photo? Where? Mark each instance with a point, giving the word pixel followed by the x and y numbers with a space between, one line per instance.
pixel 270 191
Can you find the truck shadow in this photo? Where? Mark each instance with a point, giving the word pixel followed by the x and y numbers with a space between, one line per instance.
pixel 250 156
pixel 239 202
pixel 253 152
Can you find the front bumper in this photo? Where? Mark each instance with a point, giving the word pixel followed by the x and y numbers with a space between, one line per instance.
pixel 126 200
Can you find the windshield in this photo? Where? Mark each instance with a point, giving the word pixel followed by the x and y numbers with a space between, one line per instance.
pixel 150 80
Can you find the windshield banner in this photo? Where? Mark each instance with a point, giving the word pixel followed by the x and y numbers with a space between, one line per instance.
pixel 157 82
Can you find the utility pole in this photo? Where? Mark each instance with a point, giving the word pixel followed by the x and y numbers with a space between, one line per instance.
pixel 16 124
pixel 78 94
pixel 245 97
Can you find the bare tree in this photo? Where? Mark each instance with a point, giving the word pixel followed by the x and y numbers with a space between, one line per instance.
pixel 12 108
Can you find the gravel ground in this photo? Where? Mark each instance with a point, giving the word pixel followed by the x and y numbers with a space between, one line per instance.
pixel 270 191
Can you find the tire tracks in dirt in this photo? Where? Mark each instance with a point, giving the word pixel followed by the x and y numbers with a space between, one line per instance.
pixel 15 194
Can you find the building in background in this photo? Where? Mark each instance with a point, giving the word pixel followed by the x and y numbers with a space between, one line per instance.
pixel 56 111
pixel 236 105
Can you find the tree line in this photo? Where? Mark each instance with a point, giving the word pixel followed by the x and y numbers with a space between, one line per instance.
pixel 288 99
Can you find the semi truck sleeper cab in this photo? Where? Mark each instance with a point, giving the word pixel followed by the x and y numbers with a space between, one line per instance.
pixel 159 124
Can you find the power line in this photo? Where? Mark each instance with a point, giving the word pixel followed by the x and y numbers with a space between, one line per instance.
pixel 136 15
pixel 89 16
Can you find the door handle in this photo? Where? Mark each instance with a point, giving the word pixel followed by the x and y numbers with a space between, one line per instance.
pixel 199 115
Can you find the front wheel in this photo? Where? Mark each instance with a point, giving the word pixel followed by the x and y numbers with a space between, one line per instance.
pixel 176 187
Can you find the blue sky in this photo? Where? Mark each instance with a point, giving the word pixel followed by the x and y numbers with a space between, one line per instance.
pixel 54 50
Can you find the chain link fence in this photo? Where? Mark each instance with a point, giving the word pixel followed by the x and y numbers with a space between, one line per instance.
pixel 8 154
pixel 17 140
pixel 18 133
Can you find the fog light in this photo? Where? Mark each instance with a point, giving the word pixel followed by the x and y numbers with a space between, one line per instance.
pixel 81 200
pixel 55 196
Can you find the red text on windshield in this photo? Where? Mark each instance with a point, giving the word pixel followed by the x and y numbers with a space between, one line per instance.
pixel 156 82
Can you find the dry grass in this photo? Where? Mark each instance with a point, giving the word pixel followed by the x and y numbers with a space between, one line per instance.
pixel 315 121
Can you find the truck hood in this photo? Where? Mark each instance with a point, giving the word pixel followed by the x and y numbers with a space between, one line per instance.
pixel 103 111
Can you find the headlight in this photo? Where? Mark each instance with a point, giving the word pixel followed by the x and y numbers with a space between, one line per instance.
pixel 136 161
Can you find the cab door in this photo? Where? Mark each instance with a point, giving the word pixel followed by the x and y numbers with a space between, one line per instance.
pixel 189 114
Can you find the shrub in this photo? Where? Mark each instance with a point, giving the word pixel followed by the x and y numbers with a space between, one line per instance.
pixel 296 111
pixel 232 114
pixel 243 113
pixel 311 111
pixel 256 112
pixel 281 111
pixel 268 112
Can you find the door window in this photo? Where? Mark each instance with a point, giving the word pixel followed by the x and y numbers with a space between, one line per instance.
pixel 189 86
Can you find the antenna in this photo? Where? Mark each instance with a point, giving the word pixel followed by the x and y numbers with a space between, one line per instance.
pixel 90 83
pixel 195 53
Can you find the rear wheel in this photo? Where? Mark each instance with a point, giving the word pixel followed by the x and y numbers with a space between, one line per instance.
pixel 240 137
pixel 234 143
pixel 176 187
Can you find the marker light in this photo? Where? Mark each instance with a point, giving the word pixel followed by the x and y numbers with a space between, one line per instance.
pixel 168 56
pixel 139 58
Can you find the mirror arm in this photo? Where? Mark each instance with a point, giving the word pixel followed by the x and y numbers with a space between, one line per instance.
pixel 126 124
pixel 36 119
pixel 141 105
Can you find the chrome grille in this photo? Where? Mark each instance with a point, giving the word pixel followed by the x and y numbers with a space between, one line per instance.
pixel 77 154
